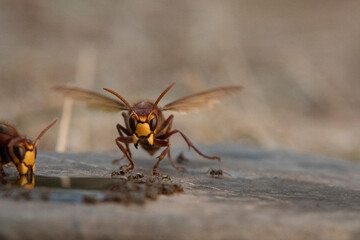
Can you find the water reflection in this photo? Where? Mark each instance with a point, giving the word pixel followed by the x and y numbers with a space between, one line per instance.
pixel 135 188
pixel 84 183
pixel 26 181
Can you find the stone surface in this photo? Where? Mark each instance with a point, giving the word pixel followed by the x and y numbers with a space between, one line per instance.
pixel 268 194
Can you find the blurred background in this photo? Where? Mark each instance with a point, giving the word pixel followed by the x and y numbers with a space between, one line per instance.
pixel 298 61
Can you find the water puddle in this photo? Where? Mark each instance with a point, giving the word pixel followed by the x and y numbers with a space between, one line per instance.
pixel 131 188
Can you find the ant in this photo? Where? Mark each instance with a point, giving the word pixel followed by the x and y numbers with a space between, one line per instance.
pixel 217 173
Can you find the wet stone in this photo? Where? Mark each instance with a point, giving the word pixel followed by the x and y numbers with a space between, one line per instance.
pixel 136 188
pixel 127 189
pixel 251 194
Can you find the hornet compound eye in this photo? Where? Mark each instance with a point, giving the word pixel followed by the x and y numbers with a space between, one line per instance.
pixel 19 152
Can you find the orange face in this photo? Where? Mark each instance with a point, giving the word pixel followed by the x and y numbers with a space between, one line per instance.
pixel 143 128
pixel 23 155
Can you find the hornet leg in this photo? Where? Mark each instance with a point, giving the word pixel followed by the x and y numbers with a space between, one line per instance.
pixel 163 154
pixel 126 140
pixel 189 143
pixel 123 131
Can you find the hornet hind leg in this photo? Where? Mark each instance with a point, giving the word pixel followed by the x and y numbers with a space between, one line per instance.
pixel 162 139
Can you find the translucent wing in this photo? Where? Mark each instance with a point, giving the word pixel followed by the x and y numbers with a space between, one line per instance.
pixel 93 100
pixel 200 100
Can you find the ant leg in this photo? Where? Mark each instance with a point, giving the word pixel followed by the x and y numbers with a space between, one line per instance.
pixel 209 171
pixel 126 152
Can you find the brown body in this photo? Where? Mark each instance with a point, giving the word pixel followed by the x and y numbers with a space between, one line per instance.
pixel 145 124
pixel 17 149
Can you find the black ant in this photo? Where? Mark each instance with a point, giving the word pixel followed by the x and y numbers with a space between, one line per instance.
pixel 217 173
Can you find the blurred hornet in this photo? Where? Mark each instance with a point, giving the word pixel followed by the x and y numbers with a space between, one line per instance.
pixel 145 124
pixel 18 150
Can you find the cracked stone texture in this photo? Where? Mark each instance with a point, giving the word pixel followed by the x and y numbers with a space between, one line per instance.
pixel 271 194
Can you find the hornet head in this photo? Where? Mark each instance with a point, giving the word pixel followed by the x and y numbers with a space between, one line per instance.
pixel 23 152
pixel 143 119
